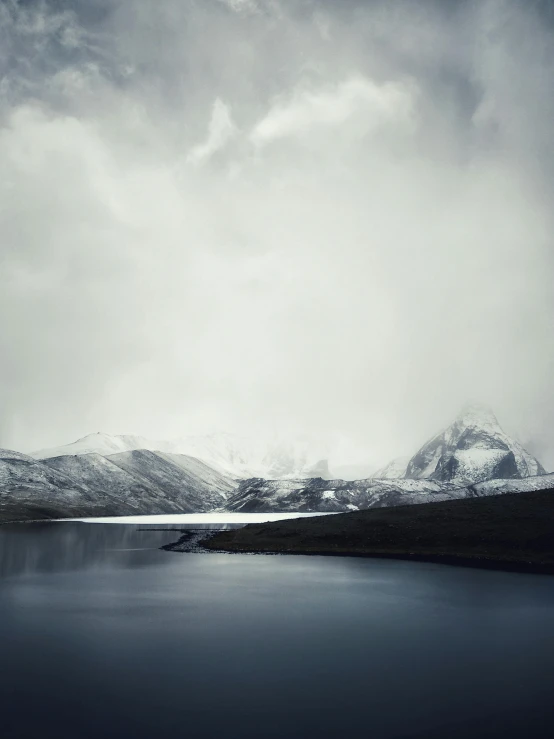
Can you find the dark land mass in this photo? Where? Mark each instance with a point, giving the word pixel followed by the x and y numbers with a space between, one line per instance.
pixel 26 513
pixel 513 531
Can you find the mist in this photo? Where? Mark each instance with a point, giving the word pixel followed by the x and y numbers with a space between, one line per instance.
pixel 302 217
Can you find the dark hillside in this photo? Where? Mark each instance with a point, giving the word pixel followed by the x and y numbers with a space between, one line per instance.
pixel 513 531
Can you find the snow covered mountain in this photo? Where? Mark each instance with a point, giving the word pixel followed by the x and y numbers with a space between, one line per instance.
pixel 30 489
pixel 135 482
pixel 150 482
pixel 142 482
pixel 337 495
pixel 232 455
pixel 471 449
pixel 116 475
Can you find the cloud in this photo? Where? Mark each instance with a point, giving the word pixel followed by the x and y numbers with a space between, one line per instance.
pixel 242 6
pixel 212 219
pixel 306 110
pixel 221 129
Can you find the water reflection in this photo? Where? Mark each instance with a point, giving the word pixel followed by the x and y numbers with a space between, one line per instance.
pixel 63 546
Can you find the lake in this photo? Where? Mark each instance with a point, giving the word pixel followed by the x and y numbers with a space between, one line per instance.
pixel 106 635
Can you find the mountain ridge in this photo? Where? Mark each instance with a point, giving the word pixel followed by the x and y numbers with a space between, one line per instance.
pixel 232 455
pixel 473 449
pixel 473 457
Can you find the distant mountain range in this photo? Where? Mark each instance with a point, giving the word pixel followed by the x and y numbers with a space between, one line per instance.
pixel 232 455
pixel 456 463
pixel 118 475
pixel 257 496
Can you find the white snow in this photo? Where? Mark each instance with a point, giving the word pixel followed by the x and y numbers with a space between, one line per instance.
pixel 198 518
pixel 420 486
pixel 477 463
pixel 527 485
pixel 8 455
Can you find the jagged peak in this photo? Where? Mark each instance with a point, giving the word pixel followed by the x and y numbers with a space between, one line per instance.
pixel 473 448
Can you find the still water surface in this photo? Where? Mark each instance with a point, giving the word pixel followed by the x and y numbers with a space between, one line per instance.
pixel 104 635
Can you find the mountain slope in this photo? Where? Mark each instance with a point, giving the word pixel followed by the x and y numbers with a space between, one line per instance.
pixel 502 487
pixel 184 482
pixel 142 481
pixel 317 495
pixel 393 470
pixel 471 449
pixel 107 482
pixel 30 489
pixel 126 483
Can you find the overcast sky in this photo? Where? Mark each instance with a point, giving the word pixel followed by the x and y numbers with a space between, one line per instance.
pixel 291 216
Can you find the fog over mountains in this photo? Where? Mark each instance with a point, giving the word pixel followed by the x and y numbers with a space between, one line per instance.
pixel 233 455
pixel 116 475
pixel 458 462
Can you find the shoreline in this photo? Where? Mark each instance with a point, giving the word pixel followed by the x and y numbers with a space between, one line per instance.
pixel 453 560
pixel 513 532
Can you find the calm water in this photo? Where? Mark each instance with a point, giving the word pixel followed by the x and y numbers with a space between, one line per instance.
pixel 103 635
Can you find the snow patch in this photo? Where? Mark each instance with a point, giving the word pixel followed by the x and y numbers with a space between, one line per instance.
pixel 198 518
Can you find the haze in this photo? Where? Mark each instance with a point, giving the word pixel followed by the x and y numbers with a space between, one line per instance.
pixel 313 217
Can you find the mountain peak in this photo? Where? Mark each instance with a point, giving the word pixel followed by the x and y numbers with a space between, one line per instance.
pixel 473 448
pixel 476 414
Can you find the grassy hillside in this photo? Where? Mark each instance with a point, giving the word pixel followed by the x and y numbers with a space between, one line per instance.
pixel 513 531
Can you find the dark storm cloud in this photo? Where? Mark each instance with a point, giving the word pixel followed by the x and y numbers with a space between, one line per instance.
pixel 303 216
